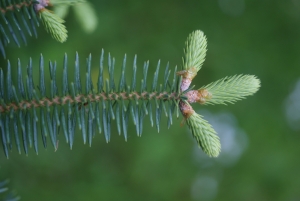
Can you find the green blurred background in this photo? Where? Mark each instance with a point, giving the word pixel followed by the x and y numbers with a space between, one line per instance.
pixel 260 135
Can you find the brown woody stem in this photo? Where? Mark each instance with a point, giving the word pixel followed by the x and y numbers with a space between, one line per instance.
pixel 187 77
pixel 87 98
pixel 18 6
pixel 186 109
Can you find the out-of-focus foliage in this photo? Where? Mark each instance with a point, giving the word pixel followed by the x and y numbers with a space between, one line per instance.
pixel 260 148
pixel 20 18
pixel 84 12
pixel 5 195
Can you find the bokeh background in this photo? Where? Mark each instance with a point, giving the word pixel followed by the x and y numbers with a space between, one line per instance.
pixel 260 135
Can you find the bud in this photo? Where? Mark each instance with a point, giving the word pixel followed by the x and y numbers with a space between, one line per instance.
pixel 187 77
pixel 203 96
pixel 200 96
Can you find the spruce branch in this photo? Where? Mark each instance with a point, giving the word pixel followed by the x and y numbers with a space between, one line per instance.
pixel 18 18
pixel 26 108
pixel 84 99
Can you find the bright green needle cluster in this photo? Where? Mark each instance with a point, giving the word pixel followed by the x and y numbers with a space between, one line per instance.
pixel 194 56
pixel 231 89
pixel 54 25
pixel 204 134
pixel 223 91
pixel 195 50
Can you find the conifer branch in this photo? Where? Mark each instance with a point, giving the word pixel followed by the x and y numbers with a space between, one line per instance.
pixel 26 108
pixel 18 16
pixel 83 99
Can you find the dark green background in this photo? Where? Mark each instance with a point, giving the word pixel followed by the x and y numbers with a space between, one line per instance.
pixel 261 161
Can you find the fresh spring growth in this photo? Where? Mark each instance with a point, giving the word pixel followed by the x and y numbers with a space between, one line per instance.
pixel 226 90
pixel 39 110
pixel 52 22
pixel 194 56
pixel 54 25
